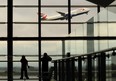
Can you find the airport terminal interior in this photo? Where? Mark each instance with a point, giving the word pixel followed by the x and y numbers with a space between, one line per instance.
pixel 79 36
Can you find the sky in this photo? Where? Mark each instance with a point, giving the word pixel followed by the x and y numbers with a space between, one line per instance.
pixel 51 30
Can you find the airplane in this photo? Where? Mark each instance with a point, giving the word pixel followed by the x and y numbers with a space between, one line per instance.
pixel 64 16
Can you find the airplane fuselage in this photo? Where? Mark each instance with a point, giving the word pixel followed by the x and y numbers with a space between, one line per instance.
pixel 65 16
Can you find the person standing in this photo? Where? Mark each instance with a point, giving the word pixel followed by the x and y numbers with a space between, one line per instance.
pixel 24 65
pixel 45 59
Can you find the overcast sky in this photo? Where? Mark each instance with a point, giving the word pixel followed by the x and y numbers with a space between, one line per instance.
pixel 53 47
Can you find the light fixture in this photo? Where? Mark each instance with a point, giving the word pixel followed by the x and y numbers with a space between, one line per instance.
pixel 113 53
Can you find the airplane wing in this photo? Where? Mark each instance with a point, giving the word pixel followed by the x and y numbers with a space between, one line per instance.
pixel 61 13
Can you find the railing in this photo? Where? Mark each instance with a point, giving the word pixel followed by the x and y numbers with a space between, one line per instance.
pixel 80 67
pixel 94 69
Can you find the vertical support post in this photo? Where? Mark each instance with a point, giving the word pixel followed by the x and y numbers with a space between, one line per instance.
pixel 63 71
pixel 99 66
pixel 103 66
pixel 39 36
pixel 89 68
pixel 10 40
pixel 67 69
pixel 63 48
pixel 59 63
pixel 90 32
pixel 73 69
pixel 79 68
pixel 69 16
pixel 55 70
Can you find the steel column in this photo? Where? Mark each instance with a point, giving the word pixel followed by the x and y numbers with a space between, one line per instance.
pixel 73 69
pixel 55 70
pixel 89 68
pixel 103 66
pixel 79 68
pixel 10 40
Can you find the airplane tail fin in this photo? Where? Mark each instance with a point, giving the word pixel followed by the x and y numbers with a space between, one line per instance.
pixel 43 16
pixel 61 13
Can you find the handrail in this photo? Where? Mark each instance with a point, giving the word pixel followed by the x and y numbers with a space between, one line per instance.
pixel 97 52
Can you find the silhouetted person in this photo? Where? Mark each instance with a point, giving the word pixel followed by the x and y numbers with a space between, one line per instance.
pixel 68 54
pixel 45 59
pixel 24 65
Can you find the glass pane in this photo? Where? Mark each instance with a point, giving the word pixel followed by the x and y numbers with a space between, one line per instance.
pixel 111 29
pixel 25 2
pixel 112 43
pixel 53 2
pixel 3 71
pixel 78 30
pixel 52 48
pixel 3 14
pixel 3 48
pixel 54 30
pixel 111 13
pixel 25 47
pixel 25 30
pixel 101 29
pixel 3 2
pixel 3 30
pixel 76 47
pixel 25 15
pixel 81 2
pixel 3 60
pixel 30 50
